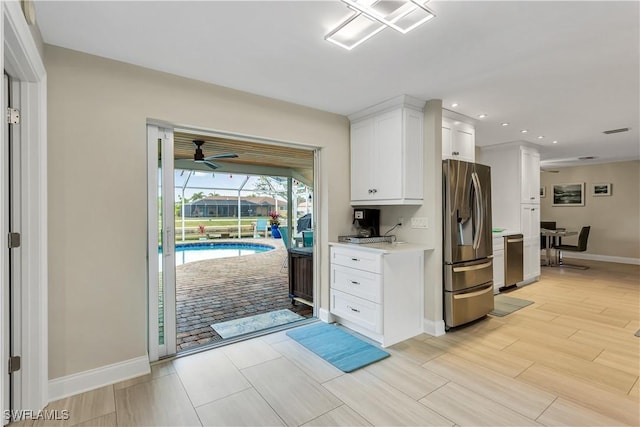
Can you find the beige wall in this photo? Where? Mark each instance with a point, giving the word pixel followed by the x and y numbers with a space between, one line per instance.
pixel 98 111
pixel 614 220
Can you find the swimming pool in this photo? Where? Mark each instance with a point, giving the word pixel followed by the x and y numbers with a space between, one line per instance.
pixel 200 251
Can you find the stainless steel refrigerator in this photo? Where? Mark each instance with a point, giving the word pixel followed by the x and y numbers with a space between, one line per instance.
pixel 467 241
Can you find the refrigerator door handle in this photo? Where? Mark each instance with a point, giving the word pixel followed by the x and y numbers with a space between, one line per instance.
pixel 479 212
pixel 474 294
pixel 472 267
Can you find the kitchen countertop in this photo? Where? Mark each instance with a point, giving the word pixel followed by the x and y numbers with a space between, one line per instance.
pixel 505 232
pixel 386 247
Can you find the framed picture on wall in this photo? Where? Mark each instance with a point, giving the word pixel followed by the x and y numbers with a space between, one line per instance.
pixel 543 191
pixel 601 189
pixel 568 194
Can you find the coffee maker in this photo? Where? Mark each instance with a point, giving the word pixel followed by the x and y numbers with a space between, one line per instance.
pixel 367 222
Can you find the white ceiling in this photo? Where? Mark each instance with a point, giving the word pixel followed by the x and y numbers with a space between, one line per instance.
pixel 565 70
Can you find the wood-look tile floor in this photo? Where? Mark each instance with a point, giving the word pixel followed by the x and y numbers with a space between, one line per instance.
pixel 571 358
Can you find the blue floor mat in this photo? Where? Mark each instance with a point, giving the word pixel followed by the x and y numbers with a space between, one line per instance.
pixel 342 350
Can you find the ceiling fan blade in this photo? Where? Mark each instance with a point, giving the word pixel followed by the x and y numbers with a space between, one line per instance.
pixel 222 156
pixel 211 164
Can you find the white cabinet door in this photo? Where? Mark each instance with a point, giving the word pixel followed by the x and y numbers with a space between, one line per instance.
pixel 387 162
pixel 530 177
pixel 498 270
pixel 464 143
pixel 530 219
pixel 362 152
pixel 386 167
pixel 458 141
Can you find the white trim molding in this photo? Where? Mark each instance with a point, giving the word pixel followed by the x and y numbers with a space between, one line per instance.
pixel 99 377
pixel 433 327
pixel 21 58
pixel 325 315
pixel 604 258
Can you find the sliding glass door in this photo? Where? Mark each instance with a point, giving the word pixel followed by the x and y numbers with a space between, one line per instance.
pixel 161 253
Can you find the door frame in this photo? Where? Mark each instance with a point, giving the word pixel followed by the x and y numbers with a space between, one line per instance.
pixel 157 129
pixel 23 62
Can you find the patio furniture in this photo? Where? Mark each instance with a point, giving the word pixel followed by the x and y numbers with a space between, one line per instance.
pixel 301 275
pixel 307 238
pixel 261 225
pixel 284 232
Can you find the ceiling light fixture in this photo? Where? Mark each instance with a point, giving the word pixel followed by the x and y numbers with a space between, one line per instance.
pixel 454 105
pixel 372 16
pixel 540 136
pixel 353 31
pixel 482 116
pixel 504 124
pixel 524 131
pixel 555 142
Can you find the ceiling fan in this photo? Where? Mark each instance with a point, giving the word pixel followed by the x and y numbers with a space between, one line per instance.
pixel 199 157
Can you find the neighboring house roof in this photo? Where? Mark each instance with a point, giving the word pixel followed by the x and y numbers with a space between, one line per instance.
pixel 233 201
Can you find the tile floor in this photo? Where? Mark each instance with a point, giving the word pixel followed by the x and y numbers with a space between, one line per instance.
pixel 571 358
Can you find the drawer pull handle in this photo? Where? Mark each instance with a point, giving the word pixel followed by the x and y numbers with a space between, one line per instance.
pixel 473 267
pixel 355 259
pixel 353 282
pixel 353 309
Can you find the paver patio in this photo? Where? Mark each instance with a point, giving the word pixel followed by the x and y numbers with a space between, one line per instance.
pixel 222 289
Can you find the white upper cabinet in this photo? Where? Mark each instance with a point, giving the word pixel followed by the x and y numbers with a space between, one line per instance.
pixel 387 154
pixel 530 177
pixel 458 140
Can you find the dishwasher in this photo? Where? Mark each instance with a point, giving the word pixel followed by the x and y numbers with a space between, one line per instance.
pixel 513 264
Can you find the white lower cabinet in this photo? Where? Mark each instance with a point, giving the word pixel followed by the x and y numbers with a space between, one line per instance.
pixel 498 264
pixel 378 292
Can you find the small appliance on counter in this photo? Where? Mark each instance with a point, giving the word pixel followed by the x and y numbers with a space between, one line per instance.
pixel 367 223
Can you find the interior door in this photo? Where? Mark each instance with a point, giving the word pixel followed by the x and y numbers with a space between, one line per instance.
pixel 161 245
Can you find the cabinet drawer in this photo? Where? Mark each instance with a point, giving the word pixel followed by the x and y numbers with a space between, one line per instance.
pixel 365 313
pixel 353 258
pixel 363 284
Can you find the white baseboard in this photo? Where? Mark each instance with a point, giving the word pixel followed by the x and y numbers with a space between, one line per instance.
pixel 433 327
pixel 325 316
pixel 99 377
pixel 605 258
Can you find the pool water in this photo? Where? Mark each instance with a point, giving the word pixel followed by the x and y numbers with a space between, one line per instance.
pixel 199 252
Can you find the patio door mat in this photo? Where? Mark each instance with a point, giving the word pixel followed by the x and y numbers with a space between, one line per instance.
pixel 233 328
pixel 503 305
pixel 342 350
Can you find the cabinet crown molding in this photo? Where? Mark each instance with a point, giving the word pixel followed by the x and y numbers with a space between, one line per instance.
pixel 402 101
pixel 514 144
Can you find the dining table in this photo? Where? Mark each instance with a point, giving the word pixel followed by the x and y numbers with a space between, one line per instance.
pixel 561 232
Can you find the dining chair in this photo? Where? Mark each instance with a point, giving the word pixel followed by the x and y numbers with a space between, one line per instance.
pixel 583 237
pixel 547 225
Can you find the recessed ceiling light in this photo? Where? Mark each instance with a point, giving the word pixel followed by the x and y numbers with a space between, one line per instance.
pixel 454 105
pixel 456 123
pixel 524 131
pixel 555 142
pixel 482 116
pixel 540 136
pixel 504 124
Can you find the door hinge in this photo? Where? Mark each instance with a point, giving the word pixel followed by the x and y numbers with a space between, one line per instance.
pixel 13 116
pixel 14 364
pixel 14 240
